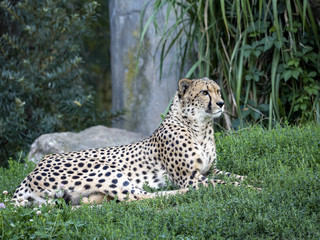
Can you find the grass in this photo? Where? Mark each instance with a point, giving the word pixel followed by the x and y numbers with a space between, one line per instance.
pixel 286 160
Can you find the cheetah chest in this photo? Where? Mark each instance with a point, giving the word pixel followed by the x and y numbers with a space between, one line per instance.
pixel 208 153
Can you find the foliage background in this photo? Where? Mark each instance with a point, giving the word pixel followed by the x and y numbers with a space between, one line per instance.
pixel 265 54
pixel 55 62
pixel 50 69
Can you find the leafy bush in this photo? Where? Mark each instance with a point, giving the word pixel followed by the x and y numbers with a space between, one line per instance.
pixel 265 54
pixel 42 72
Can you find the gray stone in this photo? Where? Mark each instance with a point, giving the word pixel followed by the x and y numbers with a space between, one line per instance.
pixel 143 96
pixel 94 137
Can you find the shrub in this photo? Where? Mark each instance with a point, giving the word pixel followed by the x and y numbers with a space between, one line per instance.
pixel 42 72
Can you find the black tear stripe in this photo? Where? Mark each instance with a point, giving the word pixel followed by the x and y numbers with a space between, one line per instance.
pixel 210 104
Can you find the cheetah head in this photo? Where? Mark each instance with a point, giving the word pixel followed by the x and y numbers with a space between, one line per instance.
pixel 200 98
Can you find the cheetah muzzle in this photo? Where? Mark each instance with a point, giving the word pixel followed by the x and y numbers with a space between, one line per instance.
pixel 182 150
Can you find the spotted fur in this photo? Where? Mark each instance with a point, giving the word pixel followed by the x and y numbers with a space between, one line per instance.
pixel 182 150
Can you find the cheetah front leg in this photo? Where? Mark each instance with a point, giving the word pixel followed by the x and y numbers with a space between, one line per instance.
pixel 216 171
pixel 192 181
pixel 235 176
pixel 161 194
pixel 132 193
pixel 99 197
pixel 196 178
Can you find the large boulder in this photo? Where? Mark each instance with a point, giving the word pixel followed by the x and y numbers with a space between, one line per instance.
pixel 94 137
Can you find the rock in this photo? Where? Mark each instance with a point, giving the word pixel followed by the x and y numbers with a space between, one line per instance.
pixel 94 137
pixel 144 96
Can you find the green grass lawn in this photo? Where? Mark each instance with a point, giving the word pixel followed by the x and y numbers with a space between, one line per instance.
pixel 286 160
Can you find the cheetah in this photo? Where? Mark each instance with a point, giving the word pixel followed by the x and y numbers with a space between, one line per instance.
pixel 181 151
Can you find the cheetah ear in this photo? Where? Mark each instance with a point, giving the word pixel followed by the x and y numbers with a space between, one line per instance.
pixel 183 86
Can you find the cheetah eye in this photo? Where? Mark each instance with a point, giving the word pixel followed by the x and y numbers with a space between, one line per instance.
pixel 219 92
pixel 204 92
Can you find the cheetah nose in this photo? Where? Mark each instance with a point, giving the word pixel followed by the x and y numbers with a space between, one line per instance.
pixel 220 104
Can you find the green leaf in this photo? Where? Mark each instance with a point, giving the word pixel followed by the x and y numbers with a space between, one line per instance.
pixel 303 106
pixel 312 74
pixel 247 53
pixel 268 44
pixel 293 62
pixel 306 49
pixel 264 107
pixel 256 77
pixel 246 112
pixel 248 77
pixel 287 75
pixel 296 73
pixel 257 53
pixel 255 115
pixel 277 44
